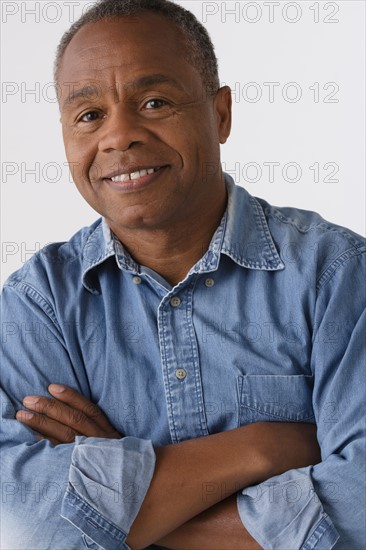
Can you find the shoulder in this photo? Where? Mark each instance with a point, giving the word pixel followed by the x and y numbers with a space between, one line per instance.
pixel 306 237
pixel 57 260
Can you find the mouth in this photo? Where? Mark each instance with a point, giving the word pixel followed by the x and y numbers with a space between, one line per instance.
pixel 128 181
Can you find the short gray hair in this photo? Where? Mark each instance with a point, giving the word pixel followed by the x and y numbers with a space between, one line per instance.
pixel 200 50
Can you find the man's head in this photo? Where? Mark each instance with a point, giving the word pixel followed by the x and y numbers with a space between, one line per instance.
pixel 134 101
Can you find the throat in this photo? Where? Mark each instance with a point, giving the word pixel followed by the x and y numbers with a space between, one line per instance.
pixel 172 265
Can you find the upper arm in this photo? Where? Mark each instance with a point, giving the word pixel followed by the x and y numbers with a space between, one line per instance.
pixel 34 474
pixel 323 506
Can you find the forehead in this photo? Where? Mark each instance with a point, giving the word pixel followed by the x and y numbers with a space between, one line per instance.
pixel 126 47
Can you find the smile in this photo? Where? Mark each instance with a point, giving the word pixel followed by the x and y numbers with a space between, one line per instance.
pixel 134 175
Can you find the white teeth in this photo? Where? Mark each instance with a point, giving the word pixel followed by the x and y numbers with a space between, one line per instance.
pixel 121 177
pixel 134 175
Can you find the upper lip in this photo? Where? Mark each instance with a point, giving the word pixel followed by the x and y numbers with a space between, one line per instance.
pixel 130 170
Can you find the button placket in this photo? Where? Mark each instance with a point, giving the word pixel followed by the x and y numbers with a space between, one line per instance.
pixel 181 367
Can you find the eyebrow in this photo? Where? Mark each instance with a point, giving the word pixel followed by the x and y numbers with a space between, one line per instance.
pixel 139 83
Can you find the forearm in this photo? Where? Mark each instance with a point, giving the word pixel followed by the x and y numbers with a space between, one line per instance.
pixel 218 528
pixel 232 459
pixel 181 473
pixel 172 484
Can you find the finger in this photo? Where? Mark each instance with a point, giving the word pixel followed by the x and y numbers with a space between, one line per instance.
pixel 47 426
pixel 77 401
pixel 62 413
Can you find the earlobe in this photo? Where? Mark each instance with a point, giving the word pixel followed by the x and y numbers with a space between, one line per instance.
pixel 223 103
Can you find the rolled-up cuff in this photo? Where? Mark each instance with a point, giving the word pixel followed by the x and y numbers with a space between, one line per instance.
pixel 108 481
pixel 285 512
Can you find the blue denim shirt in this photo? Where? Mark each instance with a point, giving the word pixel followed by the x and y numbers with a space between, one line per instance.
pixel 267 326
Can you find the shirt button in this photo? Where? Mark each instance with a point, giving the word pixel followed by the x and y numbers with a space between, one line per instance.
pixel 180 374
pixel 209 282
pixel 136 280
pixel 175 301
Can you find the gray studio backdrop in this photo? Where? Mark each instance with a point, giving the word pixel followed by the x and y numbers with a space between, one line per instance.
pixel 297 74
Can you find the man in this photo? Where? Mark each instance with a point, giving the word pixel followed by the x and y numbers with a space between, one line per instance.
pixel 188 361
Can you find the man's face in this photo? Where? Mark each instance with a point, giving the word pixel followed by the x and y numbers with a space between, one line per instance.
pixel 131 104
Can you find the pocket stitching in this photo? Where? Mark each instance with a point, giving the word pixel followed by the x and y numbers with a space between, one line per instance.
pixel 263 411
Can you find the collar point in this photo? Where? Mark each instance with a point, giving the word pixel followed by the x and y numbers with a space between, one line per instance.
pixel 90 288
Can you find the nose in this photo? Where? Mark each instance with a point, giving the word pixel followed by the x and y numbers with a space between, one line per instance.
pixel 121 130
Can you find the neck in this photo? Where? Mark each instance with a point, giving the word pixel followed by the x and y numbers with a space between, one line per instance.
pixel 172 252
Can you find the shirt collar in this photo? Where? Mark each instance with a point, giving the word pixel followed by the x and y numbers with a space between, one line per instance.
pixel 97 249
pixel 247 239
pixel 243 235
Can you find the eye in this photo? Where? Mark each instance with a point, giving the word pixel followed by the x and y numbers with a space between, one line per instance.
pixel 155 103
pixel 90 116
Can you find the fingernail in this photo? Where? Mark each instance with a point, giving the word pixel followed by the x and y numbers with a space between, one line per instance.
pixel 24 415
pixel 30 400
pixel 56 388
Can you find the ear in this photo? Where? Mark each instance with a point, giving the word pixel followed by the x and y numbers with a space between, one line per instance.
pixel 222 104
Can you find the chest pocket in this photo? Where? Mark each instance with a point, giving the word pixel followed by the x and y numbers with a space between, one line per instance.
pixel 275 398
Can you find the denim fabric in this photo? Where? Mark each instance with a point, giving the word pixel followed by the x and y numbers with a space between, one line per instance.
pixel 268 326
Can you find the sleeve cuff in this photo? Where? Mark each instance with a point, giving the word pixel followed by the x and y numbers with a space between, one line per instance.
pixel 285 512
pixel 108 481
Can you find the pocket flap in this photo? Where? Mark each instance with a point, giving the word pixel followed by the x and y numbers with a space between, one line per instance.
pixel 283 397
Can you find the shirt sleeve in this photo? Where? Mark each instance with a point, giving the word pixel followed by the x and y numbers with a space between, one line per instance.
pixel 323 506
pixel 72 495
pixel 108 481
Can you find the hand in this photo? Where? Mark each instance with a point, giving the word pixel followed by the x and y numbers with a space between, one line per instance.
pixel 61 419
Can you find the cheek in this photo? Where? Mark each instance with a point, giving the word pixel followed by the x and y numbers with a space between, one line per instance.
pixel 200 148
pixel 80 158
